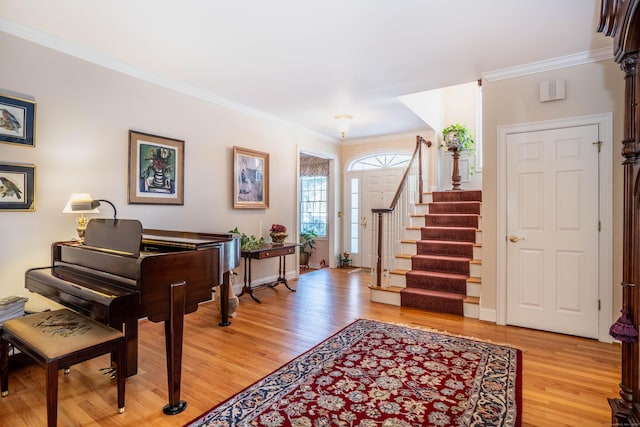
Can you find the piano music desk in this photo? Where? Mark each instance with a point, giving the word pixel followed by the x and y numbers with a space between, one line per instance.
pixel 267 251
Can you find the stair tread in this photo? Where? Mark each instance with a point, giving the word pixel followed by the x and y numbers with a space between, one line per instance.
pixel 394 289
pixel 420 291
pixel 444 257
pixel 472 300
pixel 439 274
pixel 452 214
pixel 444 227
pixel 449 242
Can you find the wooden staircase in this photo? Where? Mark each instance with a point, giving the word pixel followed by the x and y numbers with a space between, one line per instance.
pixel 439 267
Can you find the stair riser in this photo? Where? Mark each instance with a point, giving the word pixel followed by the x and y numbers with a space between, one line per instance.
pixel 425 263
pixel 403 264
pixel 472 310
pixel 457 196
pixel 451 221
pixel 384 297
pixel 473 289
pixel 411 248
pixel 477 252
pixel 432 303
pixel 436 283
pixel 421 209
pixel 397 280
pixel 417 221
pixel 475 270
pixel 455 234
pixel 445 248
pixel 408 248
pixel 455 208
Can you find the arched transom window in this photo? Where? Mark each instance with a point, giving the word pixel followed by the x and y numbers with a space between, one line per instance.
pixel 378 161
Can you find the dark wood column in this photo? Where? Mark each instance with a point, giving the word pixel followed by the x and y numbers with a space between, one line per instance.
pixel 621 20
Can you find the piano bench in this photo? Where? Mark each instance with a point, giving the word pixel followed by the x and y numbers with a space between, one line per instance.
pixel 56 340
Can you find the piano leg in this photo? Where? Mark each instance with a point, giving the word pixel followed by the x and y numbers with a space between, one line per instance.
pixel 130 331
pixel 173 330
pixel 131 344
pixel 224 299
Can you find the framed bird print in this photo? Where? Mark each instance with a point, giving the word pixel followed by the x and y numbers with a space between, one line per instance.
pixel 156 169
pixel 17 120
pixel 250 179
pixel 17 187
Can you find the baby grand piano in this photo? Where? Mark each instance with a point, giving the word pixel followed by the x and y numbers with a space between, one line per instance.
pixel 122 273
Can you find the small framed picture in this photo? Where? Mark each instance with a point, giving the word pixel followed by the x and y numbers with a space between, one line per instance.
pixel 17 187
pixel 250 179
pixel 17 121
pixel 156 169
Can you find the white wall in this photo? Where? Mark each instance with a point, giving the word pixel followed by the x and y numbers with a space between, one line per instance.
pixel 84 113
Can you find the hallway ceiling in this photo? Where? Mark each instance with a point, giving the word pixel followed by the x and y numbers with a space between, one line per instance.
pixel 304 61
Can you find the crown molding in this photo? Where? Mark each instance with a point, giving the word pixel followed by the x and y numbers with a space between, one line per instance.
pixel 389 138
pixel 80 52
pixel 549 64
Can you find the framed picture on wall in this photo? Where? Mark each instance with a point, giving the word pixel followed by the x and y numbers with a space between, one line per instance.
pixel 17 187
pixel 17 121
pixel 250 179
pixel 156 169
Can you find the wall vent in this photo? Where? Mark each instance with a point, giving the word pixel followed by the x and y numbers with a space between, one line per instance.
pixel 552 90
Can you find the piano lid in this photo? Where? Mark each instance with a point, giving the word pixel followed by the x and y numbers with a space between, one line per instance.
pixel 123 235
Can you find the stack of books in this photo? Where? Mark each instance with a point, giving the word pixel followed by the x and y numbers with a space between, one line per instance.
pixel 11 307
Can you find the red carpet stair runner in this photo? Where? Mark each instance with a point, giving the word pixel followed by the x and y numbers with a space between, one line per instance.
pixel 439 271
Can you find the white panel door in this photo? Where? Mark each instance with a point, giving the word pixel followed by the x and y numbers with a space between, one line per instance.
pixel 552 226
pixel 378 188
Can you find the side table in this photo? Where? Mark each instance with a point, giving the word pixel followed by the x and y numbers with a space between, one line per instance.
pixel 267 251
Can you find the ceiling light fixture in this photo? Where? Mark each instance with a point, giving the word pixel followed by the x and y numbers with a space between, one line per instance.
pixel 343 123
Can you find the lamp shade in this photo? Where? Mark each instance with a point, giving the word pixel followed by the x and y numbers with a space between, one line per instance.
pixel 81 203
pixel 343 123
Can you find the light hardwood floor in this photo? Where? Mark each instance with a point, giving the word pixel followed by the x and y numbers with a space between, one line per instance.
pixel 566 380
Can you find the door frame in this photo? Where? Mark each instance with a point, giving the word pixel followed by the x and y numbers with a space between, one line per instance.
pixel 605 129
pixel 333 194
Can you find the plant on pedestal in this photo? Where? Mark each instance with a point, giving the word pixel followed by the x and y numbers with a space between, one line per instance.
pixel 457 138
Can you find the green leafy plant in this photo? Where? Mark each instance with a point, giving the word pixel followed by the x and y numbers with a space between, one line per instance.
pixel 248 243
pixel 307 241
pixel 457 137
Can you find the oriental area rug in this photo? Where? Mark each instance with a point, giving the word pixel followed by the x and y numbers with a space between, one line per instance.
pixel 374 374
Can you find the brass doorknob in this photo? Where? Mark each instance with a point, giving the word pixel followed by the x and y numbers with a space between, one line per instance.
pixel 514 239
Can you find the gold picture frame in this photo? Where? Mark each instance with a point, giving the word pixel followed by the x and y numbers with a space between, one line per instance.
pixel 17 187
pixel 156 169
pixel 250 179
pixel 17 121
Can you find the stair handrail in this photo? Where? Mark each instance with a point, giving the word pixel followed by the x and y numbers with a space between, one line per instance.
pixel 416 156
pixel 416 152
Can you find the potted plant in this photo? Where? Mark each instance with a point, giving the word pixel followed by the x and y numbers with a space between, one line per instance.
pixel 307 245
pixel 248 243
pixel 458 138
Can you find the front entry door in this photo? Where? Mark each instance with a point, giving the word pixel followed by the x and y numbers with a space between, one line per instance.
pixel 375 190
pixel 552 230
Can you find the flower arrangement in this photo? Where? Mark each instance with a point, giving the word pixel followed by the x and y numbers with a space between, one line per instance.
pixel 277 228
pixel 278 233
